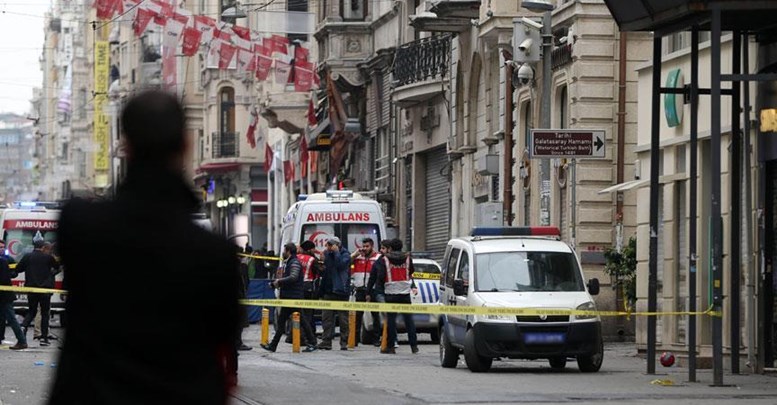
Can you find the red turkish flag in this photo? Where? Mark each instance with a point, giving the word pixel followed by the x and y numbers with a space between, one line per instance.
pixel 106 8
pixel 252 128
pixel 191 41
pixel 288 171
pixel 276 44
pixel 301 54
pixel 312 120
pixel 226 53
pixel 263 66
pixel 303 79
pixel 205 25
pixel 303 151
pixel 268 156
pixel 242 32
pixel 142 18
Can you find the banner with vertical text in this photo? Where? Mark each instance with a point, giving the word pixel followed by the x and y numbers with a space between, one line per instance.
pixel 102 137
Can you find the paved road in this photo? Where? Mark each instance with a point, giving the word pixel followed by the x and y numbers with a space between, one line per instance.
pixel 364 376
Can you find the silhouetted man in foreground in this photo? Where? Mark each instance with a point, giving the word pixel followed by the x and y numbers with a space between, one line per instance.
pixel 153 303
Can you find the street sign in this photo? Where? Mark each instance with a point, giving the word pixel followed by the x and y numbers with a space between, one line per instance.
pixel 566 143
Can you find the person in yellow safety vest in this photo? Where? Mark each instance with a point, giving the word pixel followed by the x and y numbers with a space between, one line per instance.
pixel 362 260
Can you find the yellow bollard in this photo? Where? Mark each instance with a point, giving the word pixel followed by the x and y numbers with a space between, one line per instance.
pixel 295 332
pixel 384 338
pixel 351 329
pixel 265 326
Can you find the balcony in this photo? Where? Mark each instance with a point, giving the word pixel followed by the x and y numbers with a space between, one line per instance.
pixel 420 68
pixel 225 145
pixel 561 56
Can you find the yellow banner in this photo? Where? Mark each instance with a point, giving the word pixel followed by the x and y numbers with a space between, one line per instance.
pixel 102 136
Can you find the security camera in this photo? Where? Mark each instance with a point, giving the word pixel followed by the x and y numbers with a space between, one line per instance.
pixel 525 74
pixel 525 45
pixel 529 23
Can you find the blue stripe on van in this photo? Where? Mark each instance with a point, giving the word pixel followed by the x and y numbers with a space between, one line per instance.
pixel 423 292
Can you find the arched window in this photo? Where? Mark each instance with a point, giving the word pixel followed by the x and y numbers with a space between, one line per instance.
pixel 227 110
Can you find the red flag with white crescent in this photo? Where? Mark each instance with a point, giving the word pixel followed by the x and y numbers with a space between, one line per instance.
pixel 251 132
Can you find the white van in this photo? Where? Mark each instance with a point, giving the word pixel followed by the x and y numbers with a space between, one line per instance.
pixel 518 268
pixel 342 213
pixel 19 226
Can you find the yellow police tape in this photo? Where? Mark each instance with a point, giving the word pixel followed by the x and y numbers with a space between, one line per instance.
pixel 431 309
pixel 261 257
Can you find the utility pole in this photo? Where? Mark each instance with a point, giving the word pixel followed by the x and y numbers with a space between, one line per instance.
pixel 547 45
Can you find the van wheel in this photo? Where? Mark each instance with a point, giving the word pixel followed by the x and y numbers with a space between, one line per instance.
pixel 449 355
pixel 592 363
pixel 475 362
pixel 558 363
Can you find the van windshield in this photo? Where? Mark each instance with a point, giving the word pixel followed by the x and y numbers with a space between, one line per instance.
pixel 527 271
pixel 350 234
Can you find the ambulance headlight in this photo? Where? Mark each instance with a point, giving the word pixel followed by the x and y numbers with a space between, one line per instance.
pixel 587 306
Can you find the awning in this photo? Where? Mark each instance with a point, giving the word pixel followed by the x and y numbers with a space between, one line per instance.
pixel 319 138
pixel 218 167
pixel 626 186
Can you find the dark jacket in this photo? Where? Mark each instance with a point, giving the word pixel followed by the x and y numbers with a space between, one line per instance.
pixel 336 279
pixel 291 282
pixel 39 268
pixel 152 309
pixel 5 279
pixel 378 273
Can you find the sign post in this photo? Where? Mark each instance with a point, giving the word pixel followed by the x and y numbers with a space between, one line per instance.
pixel 566 143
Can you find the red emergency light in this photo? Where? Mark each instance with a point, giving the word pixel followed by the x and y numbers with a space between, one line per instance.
pixel 516 231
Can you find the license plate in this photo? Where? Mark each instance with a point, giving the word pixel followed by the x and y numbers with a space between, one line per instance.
pixel 544 338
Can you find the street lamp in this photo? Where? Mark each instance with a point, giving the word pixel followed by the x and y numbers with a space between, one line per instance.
pixel 545 7
pixel 235 12
pixel 241 200
pixel 231 200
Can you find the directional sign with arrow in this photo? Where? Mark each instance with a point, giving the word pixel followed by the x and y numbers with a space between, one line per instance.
pixel 566 143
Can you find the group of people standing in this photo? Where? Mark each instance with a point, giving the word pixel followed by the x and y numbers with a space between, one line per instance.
pixel 40 267
pixel 338 275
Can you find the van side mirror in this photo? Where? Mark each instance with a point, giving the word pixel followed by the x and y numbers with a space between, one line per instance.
pixel 459 288
pixel 593 286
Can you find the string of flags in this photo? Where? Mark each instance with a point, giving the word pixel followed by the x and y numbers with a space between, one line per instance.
pixel 227 46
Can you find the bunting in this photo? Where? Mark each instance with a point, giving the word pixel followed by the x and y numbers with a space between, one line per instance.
pixel 268 156
pixel 282 69
pixel 250 133
pixel 191 41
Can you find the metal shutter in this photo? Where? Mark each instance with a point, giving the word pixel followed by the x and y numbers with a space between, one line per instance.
pixel 437 203
pixel 373 104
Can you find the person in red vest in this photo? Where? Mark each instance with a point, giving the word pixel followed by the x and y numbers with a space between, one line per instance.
pixel 362 260
pixel 311 267
pixel 394 273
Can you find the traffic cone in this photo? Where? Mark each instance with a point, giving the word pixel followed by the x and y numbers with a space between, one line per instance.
pixel 265 339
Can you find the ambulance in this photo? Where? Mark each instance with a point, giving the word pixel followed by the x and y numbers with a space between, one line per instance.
pixel 342 213
pixel 20 224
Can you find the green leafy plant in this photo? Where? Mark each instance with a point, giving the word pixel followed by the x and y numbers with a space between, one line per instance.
pixel 622 268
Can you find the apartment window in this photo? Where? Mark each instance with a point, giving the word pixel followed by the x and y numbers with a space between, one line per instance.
pixel 297 5
pixel 227 114
pixel 353 10
pixel 682 40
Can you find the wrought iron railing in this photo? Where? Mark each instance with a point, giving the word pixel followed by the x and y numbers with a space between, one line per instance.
pixel 561 56
pixel 423 59
pixel 225 145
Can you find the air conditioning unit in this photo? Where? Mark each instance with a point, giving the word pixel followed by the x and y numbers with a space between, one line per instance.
pixel 487 165
pixel 489 214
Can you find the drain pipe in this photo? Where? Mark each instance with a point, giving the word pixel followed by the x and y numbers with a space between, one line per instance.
pixel 621 141
pixel 507 197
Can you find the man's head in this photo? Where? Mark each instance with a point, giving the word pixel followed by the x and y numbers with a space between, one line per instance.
pixel 289 250
pixel 153 125
pixel 38 243
pixel 307 246
pixel 334 243
pixel 396 245
pixel 385 246
pixel 367 245
pixel 47 246
pixel 2 247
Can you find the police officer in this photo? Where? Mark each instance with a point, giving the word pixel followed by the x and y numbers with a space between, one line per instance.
pixel 394 273
pixel 363 259
pixel 291 287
